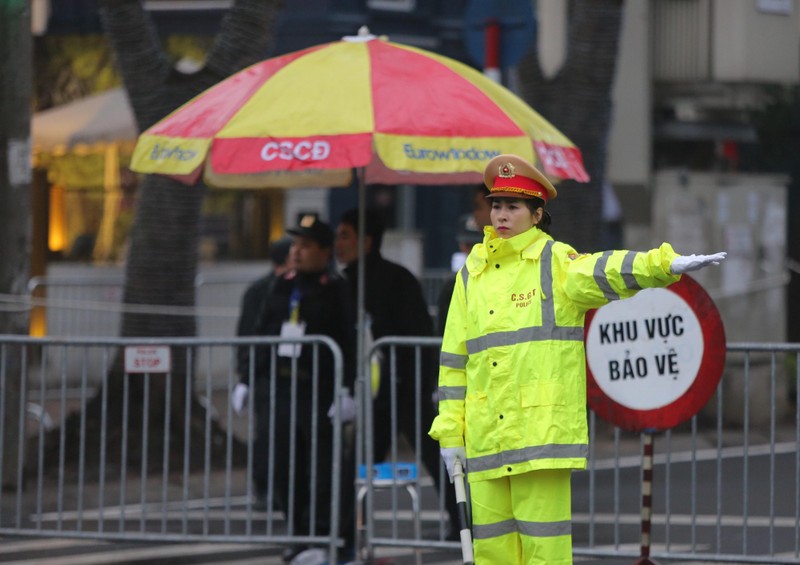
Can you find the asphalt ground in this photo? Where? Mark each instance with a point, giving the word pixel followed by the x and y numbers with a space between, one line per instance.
pixel 623 452
pixel 60 551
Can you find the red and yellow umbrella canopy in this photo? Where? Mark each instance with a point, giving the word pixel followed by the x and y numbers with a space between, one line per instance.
pixel 310 117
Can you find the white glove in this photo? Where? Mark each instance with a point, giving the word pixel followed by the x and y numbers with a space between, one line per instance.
pixel 687 263
pixel 239 398
pixel 347 407
pixel 449 455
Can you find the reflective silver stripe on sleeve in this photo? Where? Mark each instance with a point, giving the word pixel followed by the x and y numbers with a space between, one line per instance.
pixel 627 271
pixel 545 529
pixel 464 278
pixel 601 279
pixel 514 456
pixel 546 284
pixel 524 335
pixel 453 361
pixel 452 393
pixel 486 531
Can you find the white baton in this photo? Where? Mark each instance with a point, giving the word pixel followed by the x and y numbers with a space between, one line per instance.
pixel 461 499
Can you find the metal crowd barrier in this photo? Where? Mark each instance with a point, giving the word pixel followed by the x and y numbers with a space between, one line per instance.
pixel 134 458
pixel 432 510
pixel 726 485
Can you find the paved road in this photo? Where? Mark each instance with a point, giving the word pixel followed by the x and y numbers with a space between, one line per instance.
pixel 686 486
pixel 54 551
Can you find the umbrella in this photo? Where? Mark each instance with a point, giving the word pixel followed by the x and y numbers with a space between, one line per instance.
pixel 393 113
pixel 309 118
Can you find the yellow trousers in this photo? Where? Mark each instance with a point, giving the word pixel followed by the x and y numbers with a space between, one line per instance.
pixel 522 519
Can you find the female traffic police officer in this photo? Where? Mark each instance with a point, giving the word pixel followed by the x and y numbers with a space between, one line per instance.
pixel 512 378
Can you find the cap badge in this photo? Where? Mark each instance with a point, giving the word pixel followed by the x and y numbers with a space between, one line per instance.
pixel 307 221
pixel 506 171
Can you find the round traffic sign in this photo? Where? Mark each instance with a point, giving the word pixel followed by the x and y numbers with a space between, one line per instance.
pixel 654 360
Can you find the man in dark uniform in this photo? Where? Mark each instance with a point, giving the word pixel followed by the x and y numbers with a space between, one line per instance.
pixel 253 302
pixel 308 299
pixel 395 305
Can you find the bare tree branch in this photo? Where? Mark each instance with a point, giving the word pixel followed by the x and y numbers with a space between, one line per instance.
pixel 142 62
pixel 589 48
pixel 247 18
pixel 530 70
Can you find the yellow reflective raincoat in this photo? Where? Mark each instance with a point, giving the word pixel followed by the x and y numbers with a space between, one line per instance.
pixel 512 377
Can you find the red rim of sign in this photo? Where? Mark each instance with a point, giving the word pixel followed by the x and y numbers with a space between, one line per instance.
pixel 700 391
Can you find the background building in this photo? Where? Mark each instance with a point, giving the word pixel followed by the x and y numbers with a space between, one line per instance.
pixel 693 78
pixel 686 163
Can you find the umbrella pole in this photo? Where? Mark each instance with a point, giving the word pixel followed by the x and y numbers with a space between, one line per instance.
pixel 361 362
pixel 361 287
pixel 361 293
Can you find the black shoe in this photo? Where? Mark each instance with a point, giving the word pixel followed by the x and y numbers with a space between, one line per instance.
pixel 292 551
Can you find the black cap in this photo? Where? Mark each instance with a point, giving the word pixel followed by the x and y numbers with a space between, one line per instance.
pixel 279 250
pixel 315 229
pixel 374 226
pixel 468 231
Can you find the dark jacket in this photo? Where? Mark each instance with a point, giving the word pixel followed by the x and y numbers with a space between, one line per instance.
pixel 253 302
pixel 324 307
pixel 395 303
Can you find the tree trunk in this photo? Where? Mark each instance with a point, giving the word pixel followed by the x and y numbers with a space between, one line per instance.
pixel 578 102
pixel 15 231
pixel 162 259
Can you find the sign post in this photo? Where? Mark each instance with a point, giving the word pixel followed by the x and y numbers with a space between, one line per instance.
pixel 647 499
pixel 652 362
pixel 498 33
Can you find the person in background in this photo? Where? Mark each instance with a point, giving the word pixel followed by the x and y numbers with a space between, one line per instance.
pixel 481 208
pixel 394 305
pixel 512 378
pixel 253 303
pixel 470 232
pixel 309 299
